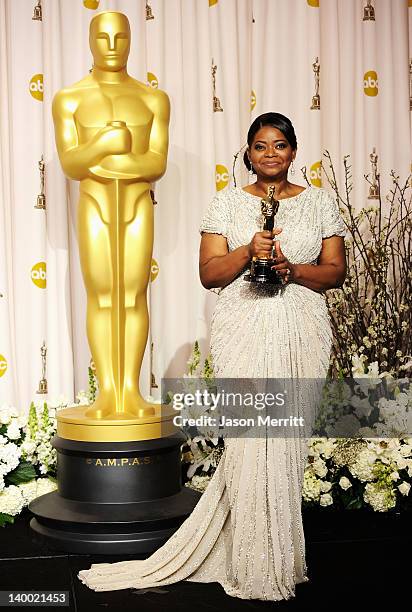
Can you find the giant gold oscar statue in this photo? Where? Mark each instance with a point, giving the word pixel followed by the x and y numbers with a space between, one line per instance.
pixel 112 136
pixel 119 468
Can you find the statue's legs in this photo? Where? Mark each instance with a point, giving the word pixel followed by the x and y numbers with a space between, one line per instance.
pixel 138 248
pixel 116 241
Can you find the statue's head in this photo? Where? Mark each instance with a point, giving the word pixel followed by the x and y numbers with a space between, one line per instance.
pixel 109 40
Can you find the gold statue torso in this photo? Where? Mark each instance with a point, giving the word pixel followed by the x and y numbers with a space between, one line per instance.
pixel 130 104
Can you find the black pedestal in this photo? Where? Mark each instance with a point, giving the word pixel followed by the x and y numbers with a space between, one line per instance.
pixel 114 497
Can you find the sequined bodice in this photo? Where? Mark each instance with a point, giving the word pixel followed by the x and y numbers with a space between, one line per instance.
pixel 298 216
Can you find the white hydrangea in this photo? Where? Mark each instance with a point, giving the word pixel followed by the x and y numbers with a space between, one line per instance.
pixel 381 499
pixel 29 490
pixel 9 456
pixel 7 413
pixel 311 486
pixel 45 485
pixel 13 430
pixel 362 468
pixel 11 500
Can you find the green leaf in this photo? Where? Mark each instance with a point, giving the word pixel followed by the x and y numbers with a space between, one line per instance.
pixel 23 473
pixel 5 519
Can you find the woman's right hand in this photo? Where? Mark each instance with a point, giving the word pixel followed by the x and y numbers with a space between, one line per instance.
pixel 262 243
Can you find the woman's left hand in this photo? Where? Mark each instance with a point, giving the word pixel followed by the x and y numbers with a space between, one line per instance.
pixel 283 265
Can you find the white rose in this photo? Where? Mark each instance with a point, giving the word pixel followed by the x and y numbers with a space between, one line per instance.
pixel 319 468
pixel 345 483
pixel 404 488
pixel 326 499
pixel 325 486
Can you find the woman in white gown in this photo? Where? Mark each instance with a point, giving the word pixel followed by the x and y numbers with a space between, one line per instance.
pixel 246 530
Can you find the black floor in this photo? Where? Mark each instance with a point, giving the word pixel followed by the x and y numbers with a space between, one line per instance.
pixel 354 559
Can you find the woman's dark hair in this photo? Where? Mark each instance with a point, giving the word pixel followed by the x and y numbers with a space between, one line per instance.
pixel 276 120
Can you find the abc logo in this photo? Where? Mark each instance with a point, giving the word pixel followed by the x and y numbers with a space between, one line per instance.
pixel 213 2
pixel 370 83
pixel 315 174
pixel 154 270
pixel 3 365
pixel 91 4
pixel 38 274
pixel 152 80
pixel 252 100
pixel 222 177
pixel 36 86
pixel 313 3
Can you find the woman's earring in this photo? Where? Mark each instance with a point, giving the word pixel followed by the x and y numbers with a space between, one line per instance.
pixel 292 168
pixel 251 171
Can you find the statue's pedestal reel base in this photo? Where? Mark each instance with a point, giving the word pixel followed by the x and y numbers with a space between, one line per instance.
pixel 261 272
pixel 114 497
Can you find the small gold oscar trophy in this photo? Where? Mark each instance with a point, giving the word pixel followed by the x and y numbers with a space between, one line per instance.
pixel 149 12
pixel 369 12
pixel 374 187
pixel 217 107
pixel 260 269
pixel 91 4
pixel 37 12
pixel 153 383
pixel 42 390
pixel 316 97
pixel 410 84
pixel 41 198
pixel 152 195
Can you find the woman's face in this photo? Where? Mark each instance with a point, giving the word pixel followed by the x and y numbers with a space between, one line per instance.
pixel 270 153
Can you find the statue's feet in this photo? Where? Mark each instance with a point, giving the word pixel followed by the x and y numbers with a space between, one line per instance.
pixel 137 406
pixel 105 408
pixel 102 407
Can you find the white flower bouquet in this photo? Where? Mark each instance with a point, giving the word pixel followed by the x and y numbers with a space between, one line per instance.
pixel 27 458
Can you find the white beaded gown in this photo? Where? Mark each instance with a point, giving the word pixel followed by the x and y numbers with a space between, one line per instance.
pixel 246 530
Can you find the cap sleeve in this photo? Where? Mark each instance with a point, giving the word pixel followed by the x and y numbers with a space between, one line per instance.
pixel 332 223
pixel 217 216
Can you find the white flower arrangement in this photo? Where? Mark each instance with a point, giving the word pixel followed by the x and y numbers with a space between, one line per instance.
pixel 27 458
pixel 372 472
